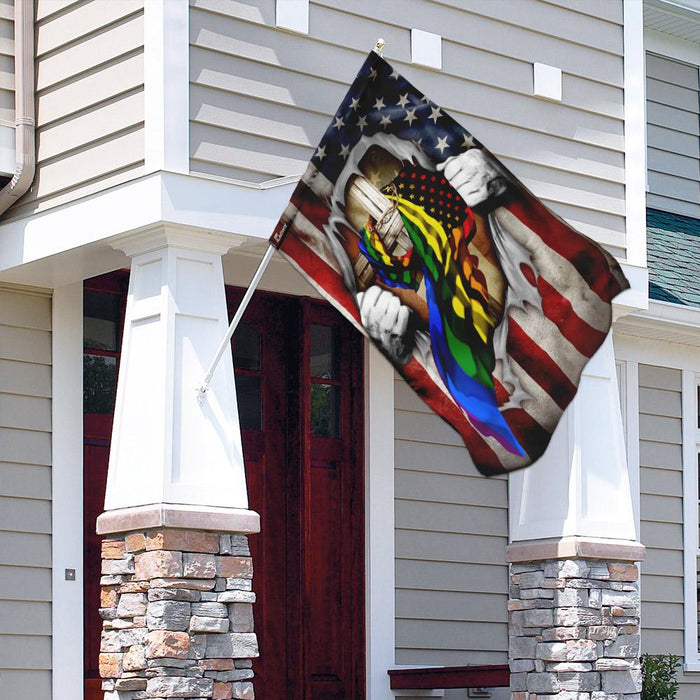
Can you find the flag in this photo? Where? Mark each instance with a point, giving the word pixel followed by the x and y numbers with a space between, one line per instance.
pixel 487 303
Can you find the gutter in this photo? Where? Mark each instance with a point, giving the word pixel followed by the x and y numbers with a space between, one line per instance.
pixel 25 146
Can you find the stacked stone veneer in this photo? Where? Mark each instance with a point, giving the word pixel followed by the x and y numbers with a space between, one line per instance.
pixel 574 630
pixel 177 616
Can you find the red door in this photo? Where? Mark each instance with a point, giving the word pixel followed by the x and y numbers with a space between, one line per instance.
pixel 299 385
pixel 332 504
pixel 104 301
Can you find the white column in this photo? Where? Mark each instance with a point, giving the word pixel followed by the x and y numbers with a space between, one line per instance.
pixel 580 487
pixel 170 455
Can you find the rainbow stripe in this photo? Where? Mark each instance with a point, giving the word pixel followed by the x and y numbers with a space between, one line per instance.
pixel 461 329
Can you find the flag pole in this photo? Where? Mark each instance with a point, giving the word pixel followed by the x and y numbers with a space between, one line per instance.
pixel 202 388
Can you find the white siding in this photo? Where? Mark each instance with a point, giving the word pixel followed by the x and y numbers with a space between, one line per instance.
pixel 261 98
pixel 25 494
pixel 673 136
pixel 451 534
pixel 90 109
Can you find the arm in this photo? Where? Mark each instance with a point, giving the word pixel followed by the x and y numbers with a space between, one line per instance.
pixel 475 177
pixel 387 321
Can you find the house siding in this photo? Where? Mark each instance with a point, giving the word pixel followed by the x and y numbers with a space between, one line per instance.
pixel 25 494
pixel 451 533
pixel 89 102
pixel 673 136
pixel 260 98
pixel 661 515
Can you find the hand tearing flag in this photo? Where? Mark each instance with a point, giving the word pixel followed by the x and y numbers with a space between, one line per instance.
pixel 487 303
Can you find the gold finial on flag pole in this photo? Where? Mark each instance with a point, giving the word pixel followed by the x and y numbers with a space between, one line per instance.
pixel 379 46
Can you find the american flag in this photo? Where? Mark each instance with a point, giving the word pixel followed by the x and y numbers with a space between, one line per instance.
pixel 538 294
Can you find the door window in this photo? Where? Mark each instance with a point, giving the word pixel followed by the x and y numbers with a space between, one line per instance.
pixel 247 361
pixel 325 384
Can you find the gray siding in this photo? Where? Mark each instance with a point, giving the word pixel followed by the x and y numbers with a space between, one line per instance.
pixel 661 508
pixel 661 512
pixel 451 534
pixel 7 63
pixel 673 136
pixel 261 98
pixel 25 494
pixel 90 108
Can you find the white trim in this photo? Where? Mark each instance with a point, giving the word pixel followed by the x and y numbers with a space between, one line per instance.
pixel 631 402
pixel 635 298
pixel 160 197
pixel 7 150
pixel 546 81
pixel 671 46
pixel 628 385
pixel 292 15
pixel 690 516
pixel 166 85
pixel 67 491
pixel 24 289
pixel 635 133
pixel 670 322
pixel 687 9
pixel 195 201
pixel 379 509
pixel 426 49
pixel 674 313
pixel 90 219
pixel 652 351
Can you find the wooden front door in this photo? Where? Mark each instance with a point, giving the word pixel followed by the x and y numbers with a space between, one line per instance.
pixel 299 385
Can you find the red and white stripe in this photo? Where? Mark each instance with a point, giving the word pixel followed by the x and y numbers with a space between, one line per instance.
pixel 547 348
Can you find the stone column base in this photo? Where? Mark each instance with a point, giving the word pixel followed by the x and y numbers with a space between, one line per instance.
pixel 574 629
pixel 177 615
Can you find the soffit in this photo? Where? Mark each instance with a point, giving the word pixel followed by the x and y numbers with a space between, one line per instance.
pixel 679 18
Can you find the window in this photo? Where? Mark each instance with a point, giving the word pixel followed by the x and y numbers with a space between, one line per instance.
pixel 325 382
pixel 101 321
pixel 673 144
pixel 247 362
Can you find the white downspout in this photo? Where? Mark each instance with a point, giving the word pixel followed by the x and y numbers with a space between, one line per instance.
pixel 25 147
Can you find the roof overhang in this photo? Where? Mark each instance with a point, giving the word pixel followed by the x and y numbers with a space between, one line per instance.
pixel 663 321
pixel 679 18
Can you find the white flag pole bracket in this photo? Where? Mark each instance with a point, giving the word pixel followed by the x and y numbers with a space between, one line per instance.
pixel 202 388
